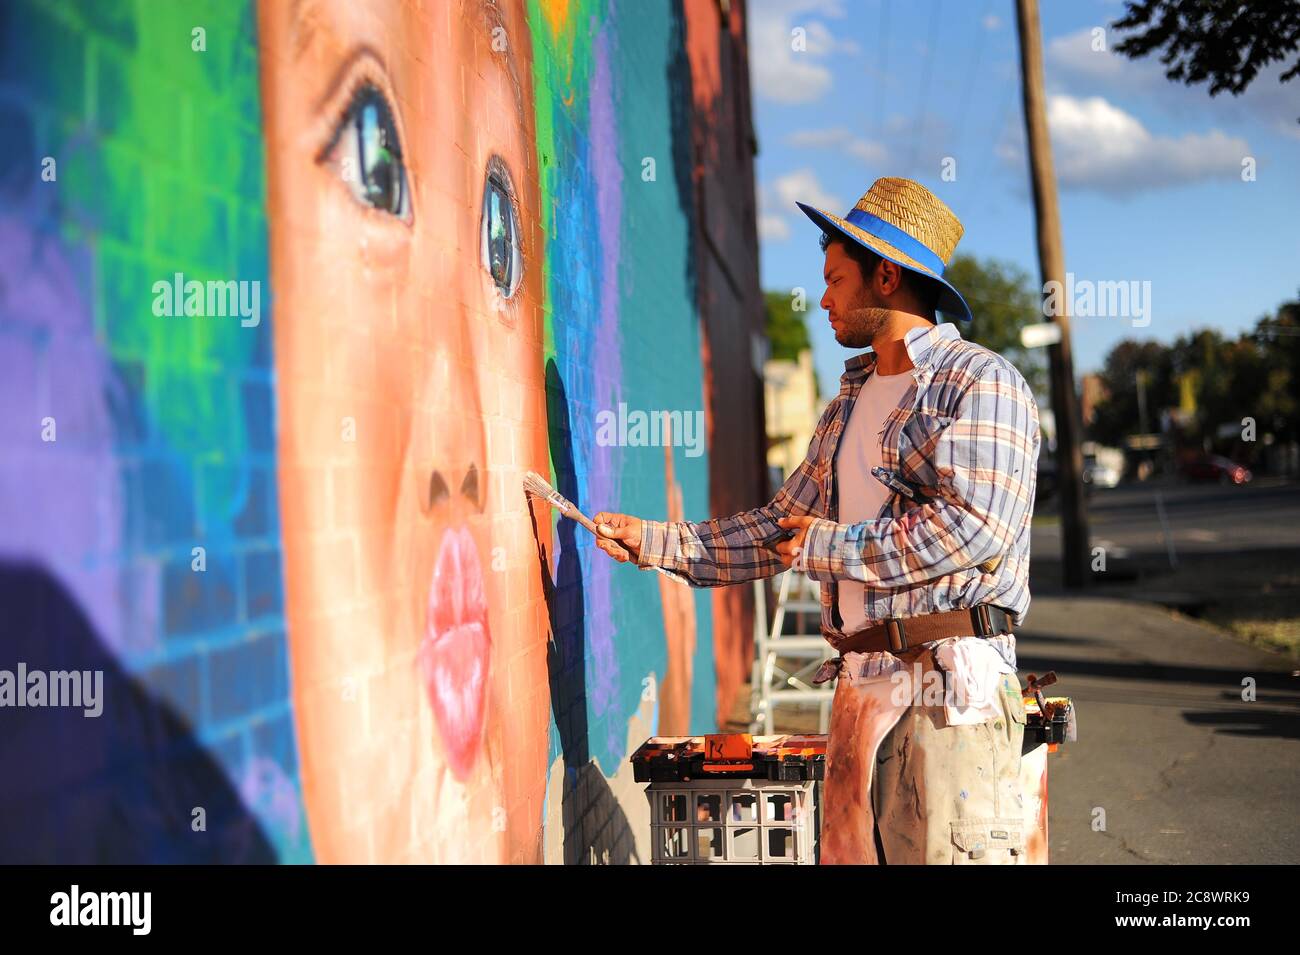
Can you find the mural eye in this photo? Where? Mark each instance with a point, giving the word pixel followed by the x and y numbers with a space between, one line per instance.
pixel 502 256
pixel 368 154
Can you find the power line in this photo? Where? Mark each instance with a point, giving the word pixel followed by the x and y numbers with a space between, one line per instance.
pixel 879 121
pixel 925 82
pixel 1003 114
pixel 960 141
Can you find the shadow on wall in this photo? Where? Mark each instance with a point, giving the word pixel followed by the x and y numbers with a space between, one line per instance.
pixel 589 807
pixel 681 100
pixel 122 786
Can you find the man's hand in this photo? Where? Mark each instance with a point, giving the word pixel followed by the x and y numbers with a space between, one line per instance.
pixel 619 535
pixel 789 550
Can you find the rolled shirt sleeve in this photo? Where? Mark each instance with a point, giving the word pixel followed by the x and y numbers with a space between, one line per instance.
pixel 725 550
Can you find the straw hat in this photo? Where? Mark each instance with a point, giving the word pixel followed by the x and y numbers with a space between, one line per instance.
pixel 906 223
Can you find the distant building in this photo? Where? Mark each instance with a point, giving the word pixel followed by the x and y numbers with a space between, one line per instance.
pixel 1092 394
pixel 793 409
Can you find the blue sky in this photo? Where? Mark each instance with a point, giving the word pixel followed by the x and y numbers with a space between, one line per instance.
pixel 1149 172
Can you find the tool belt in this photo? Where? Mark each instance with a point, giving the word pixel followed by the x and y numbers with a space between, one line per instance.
pixel 901 634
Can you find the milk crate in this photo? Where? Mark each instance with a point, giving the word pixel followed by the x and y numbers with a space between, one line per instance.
pixel 732 799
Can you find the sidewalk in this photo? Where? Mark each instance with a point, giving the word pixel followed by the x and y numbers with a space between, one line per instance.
pixel 1184 769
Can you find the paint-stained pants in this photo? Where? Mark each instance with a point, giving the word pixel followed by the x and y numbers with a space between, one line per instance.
pixel 903 787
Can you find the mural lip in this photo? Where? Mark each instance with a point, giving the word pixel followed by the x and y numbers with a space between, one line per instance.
pixel 455 652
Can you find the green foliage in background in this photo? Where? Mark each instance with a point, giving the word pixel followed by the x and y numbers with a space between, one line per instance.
pixel 1003 300
pixel 1255 375
pixel 1224 44
pixel 785 327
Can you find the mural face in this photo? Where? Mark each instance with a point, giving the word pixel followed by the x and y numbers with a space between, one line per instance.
pixel 408 329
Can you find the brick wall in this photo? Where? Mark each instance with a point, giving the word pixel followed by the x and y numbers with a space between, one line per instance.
pixel 293 540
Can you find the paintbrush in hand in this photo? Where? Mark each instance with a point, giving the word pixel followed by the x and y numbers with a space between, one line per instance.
pixel 537 486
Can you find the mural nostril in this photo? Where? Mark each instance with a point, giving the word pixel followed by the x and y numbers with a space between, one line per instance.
pixel 470 486
pixel 438 490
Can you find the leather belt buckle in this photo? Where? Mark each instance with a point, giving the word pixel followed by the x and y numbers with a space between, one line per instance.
pixel 982 621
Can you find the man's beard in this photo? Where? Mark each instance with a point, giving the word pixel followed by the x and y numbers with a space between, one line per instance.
pixel 860 324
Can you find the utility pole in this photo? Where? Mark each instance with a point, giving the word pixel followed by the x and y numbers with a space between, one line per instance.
pixel 1051 260
pixel 1142 401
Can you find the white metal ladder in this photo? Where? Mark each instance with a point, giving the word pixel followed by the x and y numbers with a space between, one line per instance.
pixel 771 684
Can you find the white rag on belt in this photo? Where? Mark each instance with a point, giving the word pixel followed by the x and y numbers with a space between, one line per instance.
pixel 971 668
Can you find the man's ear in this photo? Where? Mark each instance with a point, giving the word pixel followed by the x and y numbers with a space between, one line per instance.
pixel 890 276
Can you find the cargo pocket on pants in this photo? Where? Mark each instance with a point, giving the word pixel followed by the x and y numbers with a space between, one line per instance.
pixel 988 842
pixel 1015 710
pixel 1009 743
pixel 1015 698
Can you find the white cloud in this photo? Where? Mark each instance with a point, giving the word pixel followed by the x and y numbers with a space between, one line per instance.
pixel 1076 66
pixel 1097 146
pixel 776 201
pixel 819 138
pixel 867 151
pixel 782 73
pixel 773 229
pixel 991 22
pixel 904 147
pixel 840 138
pixel 822 41
pixel 803 186
pixel 1076 56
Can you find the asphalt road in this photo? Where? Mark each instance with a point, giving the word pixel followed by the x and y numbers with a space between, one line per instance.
pixel 1172 765
pixel 1198 519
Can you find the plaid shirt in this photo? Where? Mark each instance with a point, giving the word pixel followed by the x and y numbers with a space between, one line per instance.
pixel 967 427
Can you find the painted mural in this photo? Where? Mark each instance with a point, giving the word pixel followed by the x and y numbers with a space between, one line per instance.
pixel 292 294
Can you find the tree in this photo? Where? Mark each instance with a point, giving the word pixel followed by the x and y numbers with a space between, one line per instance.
pixel 1118 414
pixel 785 327
pixel 1225 42
pixel 1278 338
pixel 1208 356
pixel 1252 376
pixel 1002 301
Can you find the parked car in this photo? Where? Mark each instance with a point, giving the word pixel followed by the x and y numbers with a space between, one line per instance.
pixel 1215 467
pixel 1102 466
pixel 1099 474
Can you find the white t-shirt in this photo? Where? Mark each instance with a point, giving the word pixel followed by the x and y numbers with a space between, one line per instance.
pixel 971 664
pixel 861 495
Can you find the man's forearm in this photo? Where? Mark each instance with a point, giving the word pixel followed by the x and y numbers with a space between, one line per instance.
pixel 714 553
